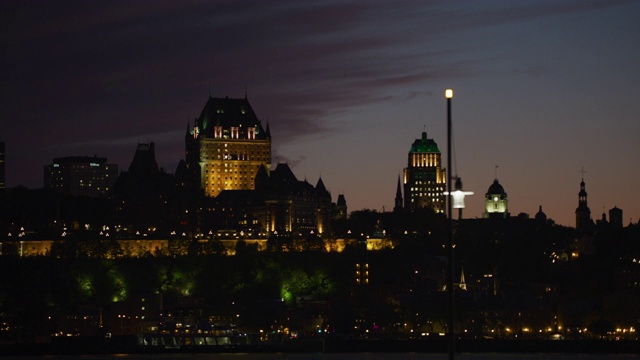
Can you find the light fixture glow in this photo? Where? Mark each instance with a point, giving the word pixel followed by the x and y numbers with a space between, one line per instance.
pixel 448 93
pixel 458 198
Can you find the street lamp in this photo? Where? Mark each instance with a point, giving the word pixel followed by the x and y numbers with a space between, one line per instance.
pixel 448 93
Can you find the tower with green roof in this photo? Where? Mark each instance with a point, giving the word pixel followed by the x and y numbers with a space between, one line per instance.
pixel 424 178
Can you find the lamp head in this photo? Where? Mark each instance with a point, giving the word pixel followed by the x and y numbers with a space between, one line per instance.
pixel 448 93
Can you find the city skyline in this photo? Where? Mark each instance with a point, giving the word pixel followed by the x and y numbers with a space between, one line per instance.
pixel 542 89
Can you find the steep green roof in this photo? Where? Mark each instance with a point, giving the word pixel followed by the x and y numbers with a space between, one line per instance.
pixel 424 145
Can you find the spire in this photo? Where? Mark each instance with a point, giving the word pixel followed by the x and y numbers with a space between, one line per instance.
pixel 463 284
pixel 320 188
pixel 268 131
pixel 398 203
pixel 583 213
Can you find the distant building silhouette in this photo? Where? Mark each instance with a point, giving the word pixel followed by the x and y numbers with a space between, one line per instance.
pixel 583 213
pixel 424 177
pixel 294 205
pixel 3 183
pixel 142 193
pixel 541 217
pixel 398 202
pixel 280 203
pixel 615 217
pixel 496 202
pixel 227 146
pixel 81 176
pixel 340 209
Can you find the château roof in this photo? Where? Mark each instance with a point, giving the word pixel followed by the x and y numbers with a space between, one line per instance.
pixel 320 188
pixel 282 181
pixel 229 113
pixel 424 145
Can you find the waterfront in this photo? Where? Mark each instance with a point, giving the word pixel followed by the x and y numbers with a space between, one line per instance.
pixel 350 356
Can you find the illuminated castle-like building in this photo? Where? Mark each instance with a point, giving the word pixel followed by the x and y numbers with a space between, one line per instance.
pixel 228 158
pixel 424 178
pixel 227 146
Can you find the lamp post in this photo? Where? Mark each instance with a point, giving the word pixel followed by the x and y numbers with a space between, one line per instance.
pixel 451 333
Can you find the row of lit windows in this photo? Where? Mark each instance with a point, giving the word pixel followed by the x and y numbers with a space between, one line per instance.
pixel 217 145
pixel 228 184
pixel 431 195
pixel 242 178
pixel 244 157
pixel 419 182
pixel 433 198
pixel 427 189
pixel 226 171
pixel 219 133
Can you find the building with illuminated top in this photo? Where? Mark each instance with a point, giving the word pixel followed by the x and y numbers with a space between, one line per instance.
pixel 496 202
pixel 424 178
pixel 227 146
pixel 228 156
pixel 81 176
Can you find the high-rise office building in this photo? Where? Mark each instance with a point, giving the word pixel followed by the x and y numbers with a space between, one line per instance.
pixel 3 183
pixel 424 177
pixel 81 176
pixel 227 146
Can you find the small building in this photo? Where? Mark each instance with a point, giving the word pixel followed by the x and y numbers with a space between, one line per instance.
pixel 496 202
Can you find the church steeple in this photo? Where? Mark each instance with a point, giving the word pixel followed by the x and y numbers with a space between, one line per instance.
pixel 583 213
pixel 398 206
pixel 582 195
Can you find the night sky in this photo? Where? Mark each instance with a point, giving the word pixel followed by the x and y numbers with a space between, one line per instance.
pixel 542 89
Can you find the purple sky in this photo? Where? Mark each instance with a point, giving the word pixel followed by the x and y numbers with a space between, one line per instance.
pixel 542 89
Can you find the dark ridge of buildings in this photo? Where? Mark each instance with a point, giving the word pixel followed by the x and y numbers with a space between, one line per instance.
pixel 143 195
pixel 3 183
pixel 280 204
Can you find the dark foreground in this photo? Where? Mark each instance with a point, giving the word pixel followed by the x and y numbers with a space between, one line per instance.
pixel 126 345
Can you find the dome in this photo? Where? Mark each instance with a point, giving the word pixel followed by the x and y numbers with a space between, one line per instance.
pixel 496 188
